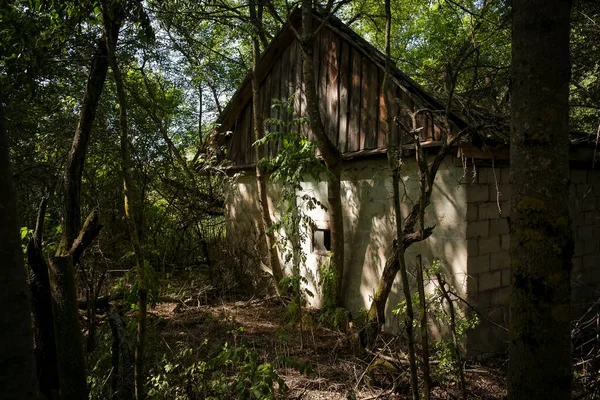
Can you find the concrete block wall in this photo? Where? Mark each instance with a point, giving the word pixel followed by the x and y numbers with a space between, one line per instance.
pixel 488 243
pixel 369 225
pixel 488 262
pixel 585 216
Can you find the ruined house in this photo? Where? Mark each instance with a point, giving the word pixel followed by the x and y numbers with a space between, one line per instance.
pixel 469 204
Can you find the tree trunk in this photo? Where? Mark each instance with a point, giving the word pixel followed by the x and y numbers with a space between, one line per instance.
pixel 541 240
pixel 17 363
pixel 111 17
pixel 261 184
pixel 330 153
pixel 69 348
pixel 41 299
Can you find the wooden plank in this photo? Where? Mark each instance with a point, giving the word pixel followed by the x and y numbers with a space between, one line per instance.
pixel 396 96
pixel 333 82
pixel 241 133
pixel 302 93
pixel 261 104
pixel 317 60
pixel 292 84
pixel 364 104
pixel 382 110
pixel 322 82
pixel 274 111
pixel 345 82
pixel 266 110
pixel 369 104
pixel 250 157
pixel 355 101
pixel 284 91
pixel 235 144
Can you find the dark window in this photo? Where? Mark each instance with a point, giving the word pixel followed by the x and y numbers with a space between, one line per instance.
pixel 321 240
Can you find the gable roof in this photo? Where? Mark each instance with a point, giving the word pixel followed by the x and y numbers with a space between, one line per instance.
pixel 285 36
pixel 343 61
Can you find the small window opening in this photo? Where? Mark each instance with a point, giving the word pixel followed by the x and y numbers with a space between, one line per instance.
pixel 321 240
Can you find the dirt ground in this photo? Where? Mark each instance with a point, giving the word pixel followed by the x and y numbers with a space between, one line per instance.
pixel 338 365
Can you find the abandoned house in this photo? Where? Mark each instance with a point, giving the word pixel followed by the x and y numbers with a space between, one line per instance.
pixel 469 203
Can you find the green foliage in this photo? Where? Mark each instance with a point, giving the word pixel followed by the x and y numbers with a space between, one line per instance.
pixel 127 285
pixel 294 163
pixel 438 313
pixel 236 372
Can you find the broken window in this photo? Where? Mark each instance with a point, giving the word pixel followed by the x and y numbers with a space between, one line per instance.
pixel 321 241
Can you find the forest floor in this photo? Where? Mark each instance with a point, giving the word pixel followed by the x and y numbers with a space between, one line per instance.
pixel 338 367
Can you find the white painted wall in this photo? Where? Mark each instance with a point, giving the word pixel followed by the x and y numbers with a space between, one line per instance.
pixel 369 225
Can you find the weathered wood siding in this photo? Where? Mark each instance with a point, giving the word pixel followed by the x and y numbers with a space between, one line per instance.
pixel 351 100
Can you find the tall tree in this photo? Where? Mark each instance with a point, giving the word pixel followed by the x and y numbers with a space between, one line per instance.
pixel 75 239
pixel 18 379
pixel 112 14
pixel 541 239
pixel 330 153
pixel 256 12
pixel 392 155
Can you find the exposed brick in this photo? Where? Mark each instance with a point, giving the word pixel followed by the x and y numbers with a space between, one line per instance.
pixel 578 176
pixel 579 246
pixel 490 280
pixel 498 227
pixel 479 264
pixel 488 210
pixel 577 264
pixel 499 297
pixel 472 286
pixel 506 277
pixel 591 246
pixel 472 214
pixel 478 193
pixel 591 261
pixel 505 175
pixel 589 203
pixel 505 206
pixel 485 175
pixel 584 190
pixel 591 217
pixel 481 300
pixel 505 242
pixel 499 260
pixel 572 192
pixel 596 188
pixel 472 248
pixel 579 219
pixel 591 276
pixel 505 192
pixel 489 245
pixel 585 232
pixel 478 229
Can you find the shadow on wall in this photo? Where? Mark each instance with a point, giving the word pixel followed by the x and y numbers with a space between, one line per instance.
pixel 370 229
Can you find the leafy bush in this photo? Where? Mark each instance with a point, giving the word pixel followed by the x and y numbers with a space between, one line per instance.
pixel 236 372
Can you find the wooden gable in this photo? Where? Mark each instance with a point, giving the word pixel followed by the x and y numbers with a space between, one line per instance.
pixel 349 74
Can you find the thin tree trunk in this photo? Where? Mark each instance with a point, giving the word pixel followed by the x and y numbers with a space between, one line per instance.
pixel 379 308
pixel 121 384
pixel 131 208
pixel 261 179
pixel 41 299
pixel 330 153
pixel 69 348
pixel 456 345
pixel 18 378
pixel 423 323
pixel 541 245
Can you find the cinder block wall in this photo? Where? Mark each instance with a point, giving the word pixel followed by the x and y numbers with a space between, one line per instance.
pixel 369 225
pixel 488 242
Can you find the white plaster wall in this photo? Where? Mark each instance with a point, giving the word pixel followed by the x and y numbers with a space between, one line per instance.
pixel 369 225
